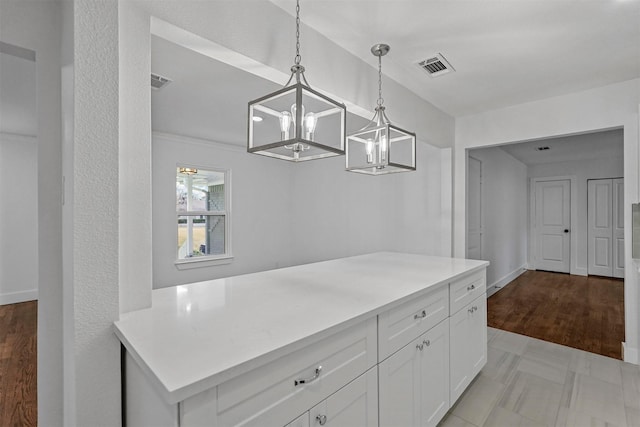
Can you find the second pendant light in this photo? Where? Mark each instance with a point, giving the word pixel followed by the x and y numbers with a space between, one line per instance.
pixel 381 147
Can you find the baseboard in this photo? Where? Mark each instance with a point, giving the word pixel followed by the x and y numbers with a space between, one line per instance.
pixel 15 297
pixel 629 354
pixel 501 283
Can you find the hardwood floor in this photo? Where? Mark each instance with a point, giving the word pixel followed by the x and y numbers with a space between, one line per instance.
pixel 580 312
pixel 18 362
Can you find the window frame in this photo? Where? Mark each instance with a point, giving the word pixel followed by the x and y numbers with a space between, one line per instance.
pixel 205 260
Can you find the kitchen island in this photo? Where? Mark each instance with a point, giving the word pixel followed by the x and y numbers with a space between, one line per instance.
pixel 378 339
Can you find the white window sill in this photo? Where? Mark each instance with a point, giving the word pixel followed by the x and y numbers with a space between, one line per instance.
pixel 187 264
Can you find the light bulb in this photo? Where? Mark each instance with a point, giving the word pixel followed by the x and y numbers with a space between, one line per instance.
pixel 294 111
pixel 310 122
pixel 369 149
pixel 285 123
pixel 383 147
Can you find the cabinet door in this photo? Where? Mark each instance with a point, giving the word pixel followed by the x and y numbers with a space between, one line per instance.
pixel 301 421
pixel 478 335
pixel 356 404
pixel 434 366
pixel 400 387
pixel 468 345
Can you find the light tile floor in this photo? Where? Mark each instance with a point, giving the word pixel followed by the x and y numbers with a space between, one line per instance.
pixel 529 382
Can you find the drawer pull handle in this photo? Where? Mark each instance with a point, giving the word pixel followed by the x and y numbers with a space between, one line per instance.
pixel 470 288
pixel 308 380
pixel 421 315
pixel 321 419
pixel 420 346
pixel 427 343
pixel 472 309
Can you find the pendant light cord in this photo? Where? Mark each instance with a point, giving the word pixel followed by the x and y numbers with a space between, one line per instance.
pixel 380 98
pixel 298 57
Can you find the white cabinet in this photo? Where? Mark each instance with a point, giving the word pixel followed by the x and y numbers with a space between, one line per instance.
pixel 414 382
pixel 356 404
pixel 398 326
pixel 272 394
pixel 353 348
pixel 468 344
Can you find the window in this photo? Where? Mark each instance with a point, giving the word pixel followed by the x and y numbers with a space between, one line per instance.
pixel 202 211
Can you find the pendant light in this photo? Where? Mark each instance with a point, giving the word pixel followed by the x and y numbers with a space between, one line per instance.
pixel 380 147
pixel 298 123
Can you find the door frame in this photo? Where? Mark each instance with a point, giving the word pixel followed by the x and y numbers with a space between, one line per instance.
pixel 573 203
pixel 481 231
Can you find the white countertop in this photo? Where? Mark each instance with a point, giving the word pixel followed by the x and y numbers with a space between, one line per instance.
pixel 198 335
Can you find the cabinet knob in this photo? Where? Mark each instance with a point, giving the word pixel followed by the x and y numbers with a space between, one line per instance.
pixel 470 288
pixel 321 419
pixel 426 342
pixel 421 315
pixel 308 380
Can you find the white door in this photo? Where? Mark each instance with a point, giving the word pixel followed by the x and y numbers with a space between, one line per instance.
pixel 474 209
pixel 553 225
pixel 618 227
pixel 605 217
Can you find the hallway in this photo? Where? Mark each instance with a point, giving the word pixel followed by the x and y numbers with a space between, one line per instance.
pixel 582 312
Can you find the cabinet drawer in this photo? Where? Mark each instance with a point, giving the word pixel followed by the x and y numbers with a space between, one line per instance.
pixel 406 322
pixel 272 394
pixel 466 289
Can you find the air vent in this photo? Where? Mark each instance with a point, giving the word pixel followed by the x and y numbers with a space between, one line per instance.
pixel 158 82
pixel 436 65
pixel 545 148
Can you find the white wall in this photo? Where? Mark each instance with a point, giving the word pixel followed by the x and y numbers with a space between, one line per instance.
pixel 288 214
pixel 261 200
pixel 35 25
pixel 609 167
pixel 18 218
pixel 602 108
pixel 504 211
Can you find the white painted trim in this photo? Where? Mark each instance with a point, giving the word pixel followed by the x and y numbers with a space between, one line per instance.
pixel 629 354
pixel 504 281
pixel 573 200
pixel 198 141
pixel 16 297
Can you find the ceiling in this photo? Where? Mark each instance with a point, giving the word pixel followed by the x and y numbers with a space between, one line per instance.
pixel 196 104
pixel 505 52
pixel 17 95
pixel 597 145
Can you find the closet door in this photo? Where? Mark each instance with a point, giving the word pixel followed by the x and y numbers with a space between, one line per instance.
pixel 605 219
pixel 618 227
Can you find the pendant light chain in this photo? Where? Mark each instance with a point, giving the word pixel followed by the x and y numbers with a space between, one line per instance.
pixel 380 98
pixel 298 57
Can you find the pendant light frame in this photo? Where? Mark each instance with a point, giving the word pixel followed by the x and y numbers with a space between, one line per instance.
pixel 310 138
pixel 371 149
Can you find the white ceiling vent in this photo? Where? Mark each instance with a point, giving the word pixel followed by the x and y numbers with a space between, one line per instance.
pixel 158 82
pixel 436 65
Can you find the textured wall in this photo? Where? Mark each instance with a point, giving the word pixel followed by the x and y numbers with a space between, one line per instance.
pixel 95 213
